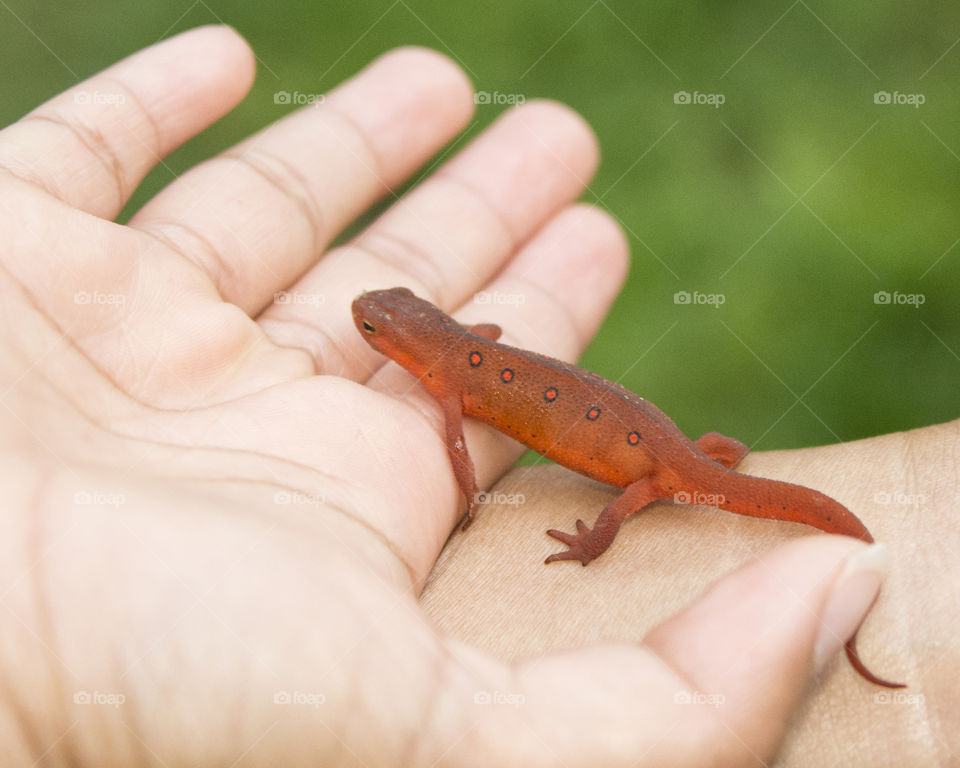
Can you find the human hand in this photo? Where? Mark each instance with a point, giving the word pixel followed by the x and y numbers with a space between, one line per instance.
pixel 490 590
pixel 219 514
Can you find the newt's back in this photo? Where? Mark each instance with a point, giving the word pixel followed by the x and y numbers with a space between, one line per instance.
pixel 569 415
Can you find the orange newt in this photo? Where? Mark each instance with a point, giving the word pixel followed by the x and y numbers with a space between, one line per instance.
pixel 584 422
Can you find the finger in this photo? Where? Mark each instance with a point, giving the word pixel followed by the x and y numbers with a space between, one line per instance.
pixel 560 286
pixel 720 679
pixel 771 624
pixel 92 145
pixel 255 217
pixel 446 238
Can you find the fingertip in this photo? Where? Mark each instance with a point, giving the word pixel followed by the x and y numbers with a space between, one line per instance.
pixel 603 251
pixel 750 636
pixel 565 127
pixel 407 103
pixel 190 80
pixel 236 49
pixel 229 56
pixel 531 162
pixel 133 113
pixel 853 593
pixel 442 69
pixel 216 34
pixel 215 49
pixel 581 257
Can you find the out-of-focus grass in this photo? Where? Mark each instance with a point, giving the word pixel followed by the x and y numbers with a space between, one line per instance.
pixel 796 200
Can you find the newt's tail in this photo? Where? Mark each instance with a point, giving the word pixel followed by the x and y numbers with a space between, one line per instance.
pixel 772 499
pixel 851 648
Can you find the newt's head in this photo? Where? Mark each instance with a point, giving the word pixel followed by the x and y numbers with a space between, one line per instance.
pixel 403 327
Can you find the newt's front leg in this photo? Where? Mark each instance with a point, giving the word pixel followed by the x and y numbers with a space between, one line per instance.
pixel 463 469
pixel 587 544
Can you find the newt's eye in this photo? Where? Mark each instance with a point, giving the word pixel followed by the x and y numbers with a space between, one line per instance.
pixel 368 327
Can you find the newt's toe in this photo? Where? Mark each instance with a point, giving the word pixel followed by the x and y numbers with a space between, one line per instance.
pixel 567 538
pixel 556 556
pixel 576 543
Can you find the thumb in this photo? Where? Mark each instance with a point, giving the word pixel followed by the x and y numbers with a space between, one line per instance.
pixel 717 682
pixel 755 636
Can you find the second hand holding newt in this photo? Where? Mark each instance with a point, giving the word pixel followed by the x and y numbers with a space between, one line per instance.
pixel 584 422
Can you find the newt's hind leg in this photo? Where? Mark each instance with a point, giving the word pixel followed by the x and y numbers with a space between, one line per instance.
pixel 490 331
pixel 587 544
pixel 722 449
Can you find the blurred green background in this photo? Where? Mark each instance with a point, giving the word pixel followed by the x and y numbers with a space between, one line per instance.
pixel 798 353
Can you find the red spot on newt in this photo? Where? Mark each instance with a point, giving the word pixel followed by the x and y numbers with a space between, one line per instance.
pixel 655 459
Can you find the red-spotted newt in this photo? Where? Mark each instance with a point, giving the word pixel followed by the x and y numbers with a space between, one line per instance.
pixel 584 422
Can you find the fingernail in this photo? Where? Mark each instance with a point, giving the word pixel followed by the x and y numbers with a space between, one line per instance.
pixel 853 593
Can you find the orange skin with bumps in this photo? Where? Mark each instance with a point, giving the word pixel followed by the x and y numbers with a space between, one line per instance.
pixel 584 422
